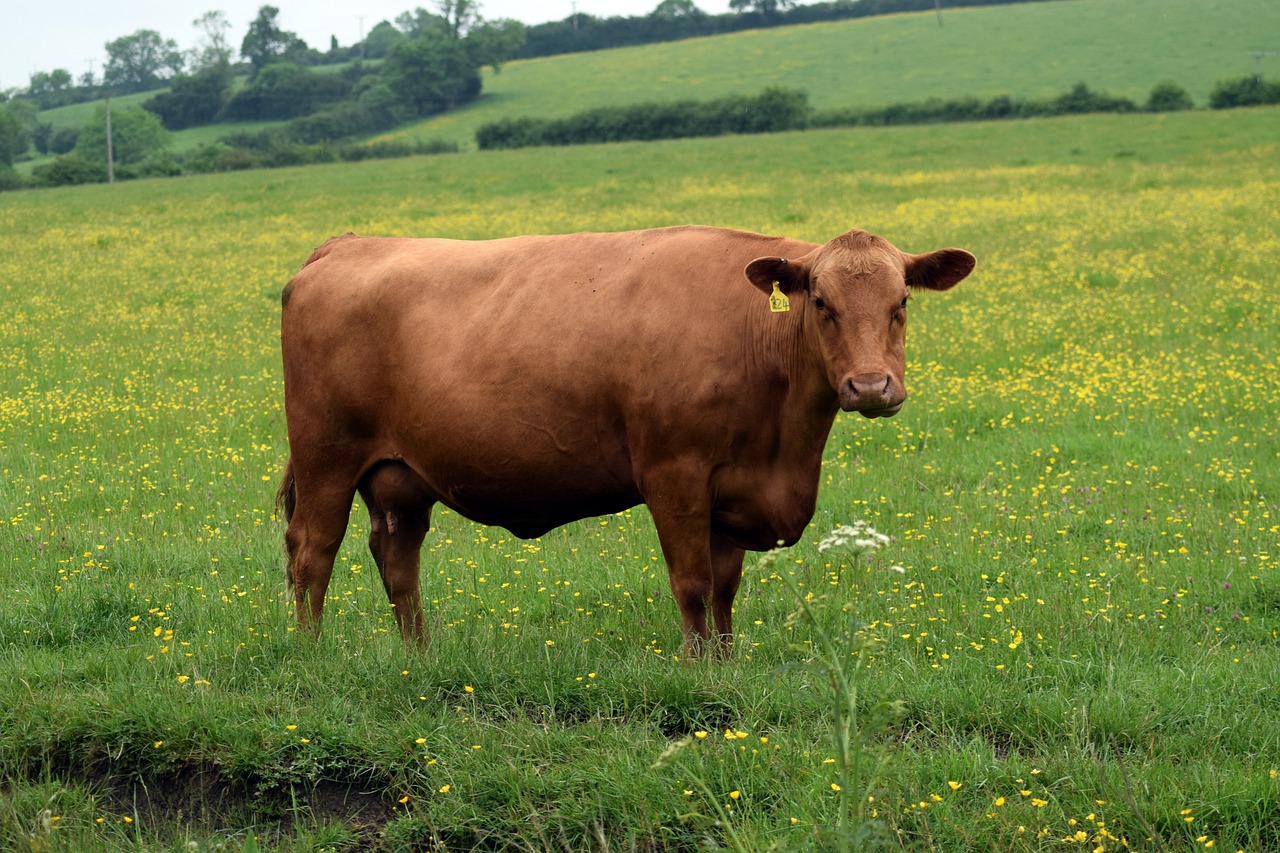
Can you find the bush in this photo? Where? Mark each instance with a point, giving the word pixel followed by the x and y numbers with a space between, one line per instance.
pixel 135 135
pixel 773 110
pixel 162 164
pixel 194 99
pixel 285 91
pixel 297 155
pixel 1081 99
pixel 1251 91
pixel 390 148
pixel 64 140
pixel 69 169
pixel 10 180
pixel 1169 98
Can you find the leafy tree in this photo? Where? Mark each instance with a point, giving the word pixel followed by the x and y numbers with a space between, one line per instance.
pixel 419 22
pixel 51 89
pixel 141 61
pixel 459 16
pixel 675 10
pixel 64 140
pixel 18 124
pixel 193 99
pixel 13 141
pixel 381 39
pixel 213 48
pixel 135 134
pixel 266 43
pixel 431 73
pixel 494 42
pixel 282 90
pixel 766 8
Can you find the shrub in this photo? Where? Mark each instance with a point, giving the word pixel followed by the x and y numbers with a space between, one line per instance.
pixel 64 140
pixel 285 91
pixel 1081 99
pixel 1251 91
pixel 10 180
pixel 135 135
pixel 773 110
pixel 1168 97
pixel 69 169
pixel 162 164
pixel 194 99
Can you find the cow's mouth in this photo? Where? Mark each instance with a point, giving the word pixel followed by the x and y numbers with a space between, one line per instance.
pixel 887 412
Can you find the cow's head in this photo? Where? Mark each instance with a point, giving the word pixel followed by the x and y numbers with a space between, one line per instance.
pixel 851 295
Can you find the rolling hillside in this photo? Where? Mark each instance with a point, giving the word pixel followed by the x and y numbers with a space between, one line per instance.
pixel 1032 50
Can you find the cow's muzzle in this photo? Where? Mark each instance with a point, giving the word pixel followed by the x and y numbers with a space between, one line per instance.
pixel 872 395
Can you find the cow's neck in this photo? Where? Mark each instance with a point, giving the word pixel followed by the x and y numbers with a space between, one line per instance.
pixel 783 353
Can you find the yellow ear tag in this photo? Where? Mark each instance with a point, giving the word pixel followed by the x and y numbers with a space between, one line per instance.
pixel 778 301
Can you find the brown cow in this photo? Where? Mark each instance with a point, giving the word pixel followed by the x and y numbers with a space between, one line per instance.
pixel 531 381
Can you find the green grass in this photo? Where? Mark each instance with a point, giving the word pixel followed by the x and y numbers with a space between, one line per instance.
pixel 1082 489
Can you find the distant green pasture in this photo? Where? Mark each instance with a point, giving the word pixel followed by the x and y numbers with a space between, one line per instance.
pixel 1025 50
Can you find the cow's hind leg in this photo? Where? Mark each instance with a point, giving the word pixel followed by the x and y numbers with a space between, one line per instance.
pixel 317 524
pixel 399 518
pixel 726 570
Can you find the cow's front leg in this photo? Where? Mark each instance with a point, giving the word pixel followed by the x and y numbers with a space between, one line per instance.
pixel 681 512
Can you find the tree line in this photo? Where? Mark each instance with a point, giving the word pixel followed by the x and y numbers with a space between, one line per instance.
pixel 432 63
pixel 672 20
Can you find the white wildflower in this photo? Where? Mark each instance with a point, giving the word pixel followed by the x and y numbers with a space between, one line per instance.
pixel 859 538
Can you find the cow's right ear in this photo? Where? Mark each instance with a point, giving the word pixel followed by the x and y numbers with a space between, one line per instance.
pixel 790 275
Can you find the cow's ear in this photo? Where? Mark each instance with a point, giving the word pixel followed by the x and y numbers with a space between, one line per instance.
pixel 791 276
pixel 940 270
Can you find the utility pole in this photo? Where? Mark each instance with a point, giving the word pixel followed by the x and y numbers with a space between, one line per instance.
pixel 361 17
pixel 937 7
pixel 574 7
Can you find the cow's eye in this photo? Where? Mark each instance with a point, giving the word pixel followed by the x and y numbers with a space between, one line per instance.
pixel 818 303
pixel 904 301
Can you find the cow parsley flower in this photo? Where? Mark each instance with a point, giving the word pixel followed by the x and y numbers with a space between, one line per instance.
pixel 859 538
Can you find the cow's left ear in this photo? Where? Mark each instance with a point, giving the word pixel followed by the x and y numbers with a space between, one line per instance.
pixel 940 270
pixel 791 276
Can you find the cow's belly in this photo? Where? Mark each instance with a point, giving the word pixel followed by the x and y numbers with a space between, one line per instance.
pixel 528 479
pixel 531 514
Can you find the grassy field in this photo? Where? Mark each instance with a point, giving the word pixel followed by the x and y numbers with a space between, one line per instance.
pixel 1082 493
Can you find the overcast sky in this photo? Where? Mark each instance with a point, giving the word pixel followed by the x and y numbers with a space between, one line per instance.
pixel 70 34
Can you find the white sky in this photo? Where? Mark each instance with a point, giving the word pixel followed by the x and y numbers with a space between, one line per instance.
pixel 70 34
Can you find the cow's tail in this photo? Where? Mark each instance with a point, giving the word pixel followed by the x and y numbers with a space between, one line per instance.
pixel 286 501
pixel 287 494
